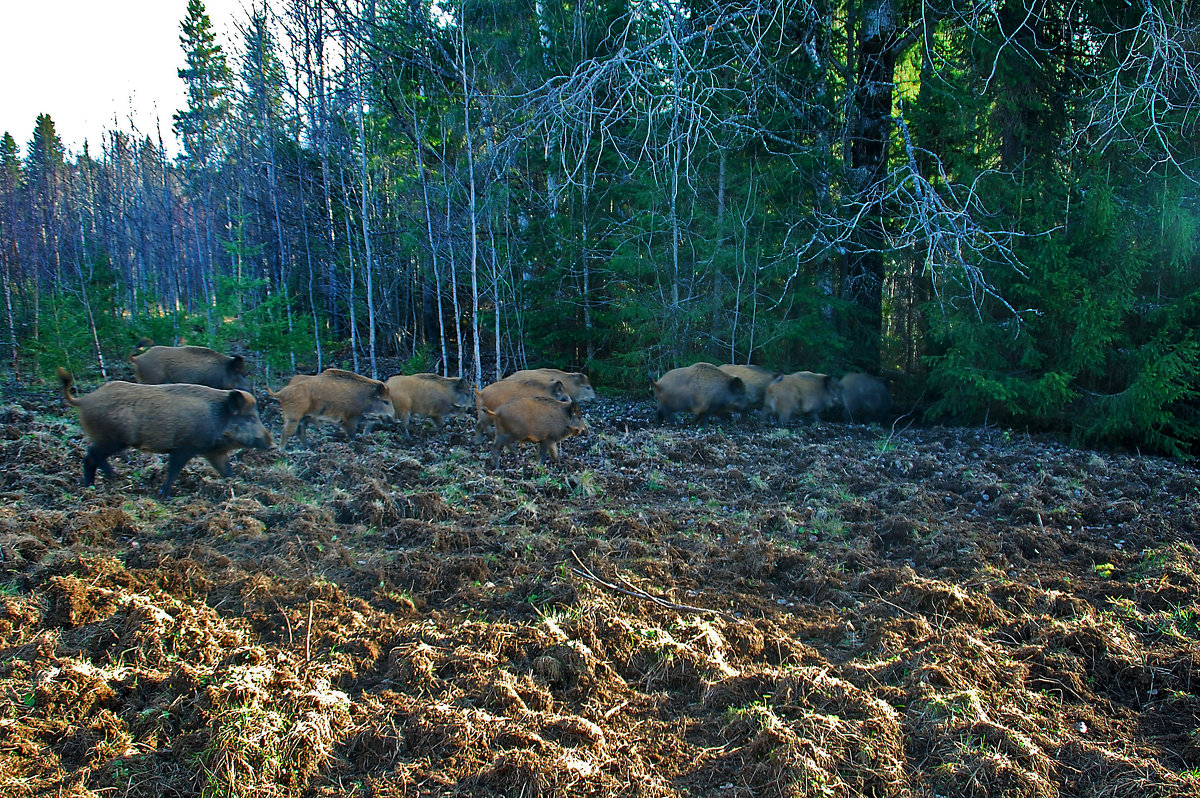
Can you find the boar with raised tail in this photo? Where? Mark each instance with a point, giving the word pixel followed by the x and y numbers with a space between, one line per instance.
pixel 342 397
pixel 428 395
pixel 180 420
pixel 756 379
pixel 575 383
pixel 864 398
pixel 535 419
pixel 801 393
pixel 498 393
pixel 197 365
pixel 701 389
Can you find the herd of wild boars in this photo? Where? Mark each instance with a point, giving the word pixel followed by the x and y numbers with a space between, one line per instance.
pixel 191 400
pixel 705 389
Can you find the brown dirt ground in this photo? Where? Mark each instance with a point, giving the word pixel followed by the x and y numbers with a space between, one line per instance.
pixel 866 612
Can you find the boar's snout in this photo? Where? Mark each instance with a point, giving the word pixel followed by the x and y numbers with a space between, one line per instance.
pixel 381 406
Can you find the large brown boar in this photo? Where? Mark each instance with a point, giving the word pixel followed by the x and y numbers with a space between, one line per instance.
pixel 333 395
pixel 535 419
pixel 498 393
pixel 575 383
pixel 181 420
pixel 701 389
pixel 197 365
pixel 864 398
pixel 801 393
pixel 428 395
pixel 756 379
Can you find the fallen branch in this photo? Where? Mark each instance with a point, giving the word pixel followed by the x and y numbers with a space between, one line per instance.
pixel 629 590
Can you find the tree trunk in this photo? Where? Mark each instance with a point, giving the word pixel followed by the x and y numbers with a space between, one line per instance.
pixel 868 159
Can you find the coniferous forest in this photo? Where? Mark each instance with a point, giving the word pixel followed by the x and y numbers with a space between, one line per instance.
pixel 997 200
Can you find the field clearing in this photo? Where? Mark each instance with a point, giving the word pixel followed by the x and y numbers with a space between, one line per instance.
pixel 728 609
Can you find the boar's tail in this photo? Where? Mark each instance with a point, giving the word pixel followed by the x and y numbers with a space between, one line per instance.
pixel 273 393
pixel 67 382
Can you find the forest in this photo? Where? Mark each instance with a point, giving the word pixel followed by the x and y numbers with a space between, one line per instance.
pixel 994 200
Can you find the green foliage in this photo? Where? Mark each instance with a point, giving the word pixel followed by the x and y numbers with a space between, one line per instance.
pixel 1104 350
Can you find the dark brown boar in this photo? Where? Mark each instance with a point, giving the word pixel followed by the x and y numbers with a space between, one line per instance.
pixel 181 420
pixel 756 379
pixel 197 365
pixel 575 383
pixel 535 419
pixel 864 398
pixel 429 395
pixel 498 393
pixel 333 395
pixel 800 393
pixel 701 389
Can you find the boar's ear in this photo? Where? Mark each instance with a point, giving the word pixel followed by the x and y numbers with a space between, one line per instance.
pixel 461 384
pixel 237 365
pixel 736 385
pixel 236 401
pixel 559 392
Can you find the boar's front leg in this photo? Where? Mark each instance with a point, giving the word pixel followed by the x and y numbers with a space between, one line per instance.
pixel 548 448
pixel 220 461
pixel 175 464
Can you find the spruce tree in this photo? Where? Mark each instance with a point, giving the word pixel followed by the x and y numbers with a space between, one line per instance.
pixel 201 125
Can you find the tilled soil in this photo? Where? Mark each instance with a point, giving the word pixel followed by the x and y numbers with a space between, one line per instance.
pixel 726 609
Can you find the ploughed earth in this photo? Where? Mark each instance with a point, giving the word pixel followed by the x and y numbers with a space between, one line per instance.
pixel 726 609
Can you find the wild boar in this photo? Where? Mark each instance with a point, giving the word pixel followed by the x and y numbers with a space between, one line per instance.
pixel 575 383
pixel 701 389
pixel 181 420
pixel 498 393
pixel 197 365
pixel 333 395
pixel 535 419
pixel 756 379
pixel 803 393
pixel 864 398
pixel 428 395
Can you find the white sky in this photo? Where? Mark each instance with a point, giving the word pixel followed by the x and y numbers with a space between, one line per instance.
pixel 90 62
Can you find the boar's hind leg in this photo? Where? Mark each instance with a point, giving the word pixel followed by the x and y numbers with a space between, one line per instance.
pixel 97 457
pixel 175 464
pixel 498 445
